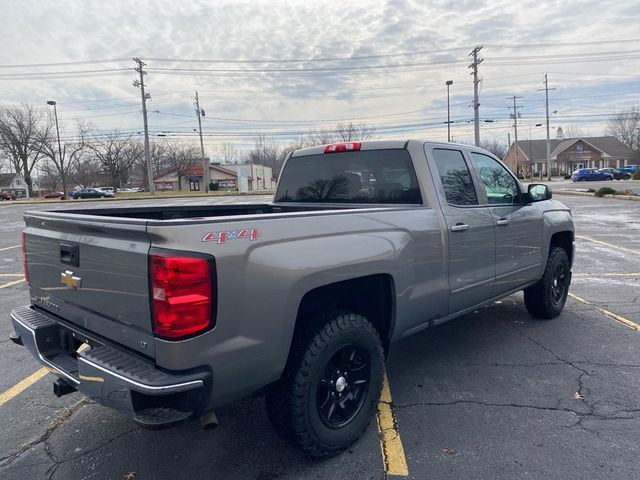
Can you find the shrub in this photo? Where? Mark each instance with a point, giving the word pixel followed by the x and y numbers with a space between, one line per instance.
pixel 635 175
pixel 605 191
pixel 567 177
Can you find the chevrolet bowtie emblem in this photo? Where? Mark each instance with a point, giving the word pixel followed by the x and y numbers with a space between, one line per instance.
pixel 70 280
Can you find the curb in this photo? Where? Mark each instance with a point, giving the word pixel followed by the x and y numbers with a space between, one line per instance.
pixel 115 199
pixel 635 198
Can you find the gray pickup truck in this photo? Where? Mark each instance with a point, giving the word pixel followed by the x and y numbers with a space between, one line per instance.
pixel 166 313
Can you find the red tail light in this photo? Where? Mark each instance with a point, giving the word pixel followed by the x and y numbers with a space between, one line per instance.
pixel 182 295
pixel 24 256
pixel 342 147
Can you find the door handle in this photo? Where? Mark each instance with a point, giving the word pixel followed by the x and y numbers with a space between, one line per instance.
pixel 503 222
pixel 459 227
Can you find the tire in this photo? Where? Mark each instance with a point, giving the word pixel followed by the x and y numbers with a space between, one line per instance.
pixel 546 298
pixel 316 405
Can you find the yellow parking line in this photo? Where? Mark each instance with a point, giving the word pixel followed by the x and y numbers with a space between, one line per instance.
pixel 22 385
pixel 395 462
pixel 607 244
pixel 11 274
pixel 9 248
pixel 15 282
pixel 580 299
pixel 618 318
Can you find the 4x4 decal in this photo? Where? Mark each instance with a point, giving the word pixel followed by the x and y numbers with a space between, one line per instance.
pixel 221 237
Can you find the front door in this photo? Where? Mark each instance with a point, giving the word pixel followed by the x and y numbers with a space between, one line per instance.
pixel 519 227
pixel 470 231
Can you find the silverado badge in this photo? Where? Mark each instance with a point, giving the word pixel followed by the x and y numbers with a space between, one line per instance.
pixel 70 280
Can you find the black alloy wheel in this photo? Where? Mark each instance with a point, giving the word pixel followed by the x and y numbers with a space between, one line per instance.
pixel 343 387
pixel 559 284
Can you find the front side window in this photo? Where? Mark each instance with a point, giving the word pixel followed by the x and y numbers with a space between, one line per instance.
pixel 500 186
pixel 369 176
pixel 455 177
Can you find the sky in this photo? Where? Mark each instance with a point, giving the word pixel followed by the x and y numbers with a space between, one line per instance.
pixel 282 67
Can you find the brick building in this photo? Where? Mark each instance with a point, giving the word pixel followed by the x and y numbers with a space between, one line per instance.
pixel 568 155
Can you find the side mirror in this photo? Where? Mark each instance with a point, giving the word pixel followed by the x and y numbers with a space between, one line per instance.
pixel 538 192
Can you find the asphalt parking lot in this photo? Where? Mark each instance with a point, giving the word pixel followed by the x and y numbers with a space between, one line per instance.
pixel 495 394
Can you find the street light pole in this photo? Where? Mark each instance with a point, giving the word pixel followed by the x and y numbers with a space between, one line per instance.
pixel 448 83
pixel 60 159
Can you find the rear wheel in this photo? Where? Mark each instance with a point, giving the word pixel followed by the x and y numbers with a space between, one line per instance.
pixel 330 387
pixel 546 299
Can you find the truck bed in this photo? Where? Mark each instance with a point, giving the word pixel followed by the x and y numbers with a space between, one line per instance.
pixel 201 211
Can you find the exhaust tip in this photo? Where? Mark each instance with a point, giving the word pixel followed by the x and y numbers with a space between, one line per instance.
pixel 209 420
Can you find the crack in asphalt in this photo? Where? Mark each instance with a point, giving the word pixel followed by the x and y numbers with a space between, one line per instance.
pixel 624 413
pixel 57 463
pixel 44 440
pixel 57 422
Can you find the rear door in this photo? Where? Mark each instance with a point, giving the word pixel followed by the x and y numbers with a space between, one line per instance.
pixel 92 274
pixel 470 231
pixel 519 227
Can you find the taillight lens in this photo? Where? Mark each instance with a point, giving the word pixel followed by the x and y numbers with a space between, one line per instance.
pixel 24 256
pixel 182 294
pixel 342 147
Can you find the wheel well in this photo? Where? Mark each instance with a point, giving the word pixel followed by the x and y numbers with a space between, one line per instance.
pixel 371 296
pixel 565 241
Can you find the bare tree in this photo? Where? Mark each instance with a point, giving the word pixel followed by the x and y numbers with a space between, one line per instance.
pixel 227 153
pixel 625 126
pixel 85 171
pixel 116 153
pixel 68 153
pixel 318 137
pixel 573 131
pixel 348 132
pixel 496 147
pixel 182 157
pixel 22 130
pixel 266 152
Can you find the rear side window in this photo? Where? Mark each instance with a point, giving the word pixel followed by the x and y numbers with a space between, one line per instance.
pixel 370 176
pixel 455 177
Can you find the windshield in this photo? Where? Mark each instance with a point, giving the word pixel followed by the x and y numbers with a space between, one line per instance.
pixel 374 176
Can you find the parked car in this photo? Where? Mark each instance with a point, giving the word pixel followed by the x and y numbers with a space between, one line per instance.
pixel 54 195
pixel 590 174
pixel 617 174
pixel 136 189
pixel 7 196
pixel 630 169
pixel 105 189
pixel 144 308
pixel 91 193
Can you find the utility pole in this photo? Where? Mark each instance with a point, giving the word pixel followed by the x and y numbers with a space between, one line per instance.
pixel 145 97
pixel 205 167
pixel 546 103
pixel 515 130
pixel 476 104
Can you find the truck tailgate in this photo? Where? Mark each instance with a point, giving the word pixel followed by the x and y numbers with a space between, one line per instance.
pixel 93 274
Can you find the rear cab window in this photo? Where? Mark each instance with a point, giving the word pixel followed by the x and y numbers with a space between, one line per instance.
pixel 365 176
pixel 455 177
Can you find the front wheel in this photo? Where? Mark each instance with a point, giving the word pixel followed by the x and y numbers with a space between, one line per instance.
pixel 546 298
pixel 331 385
